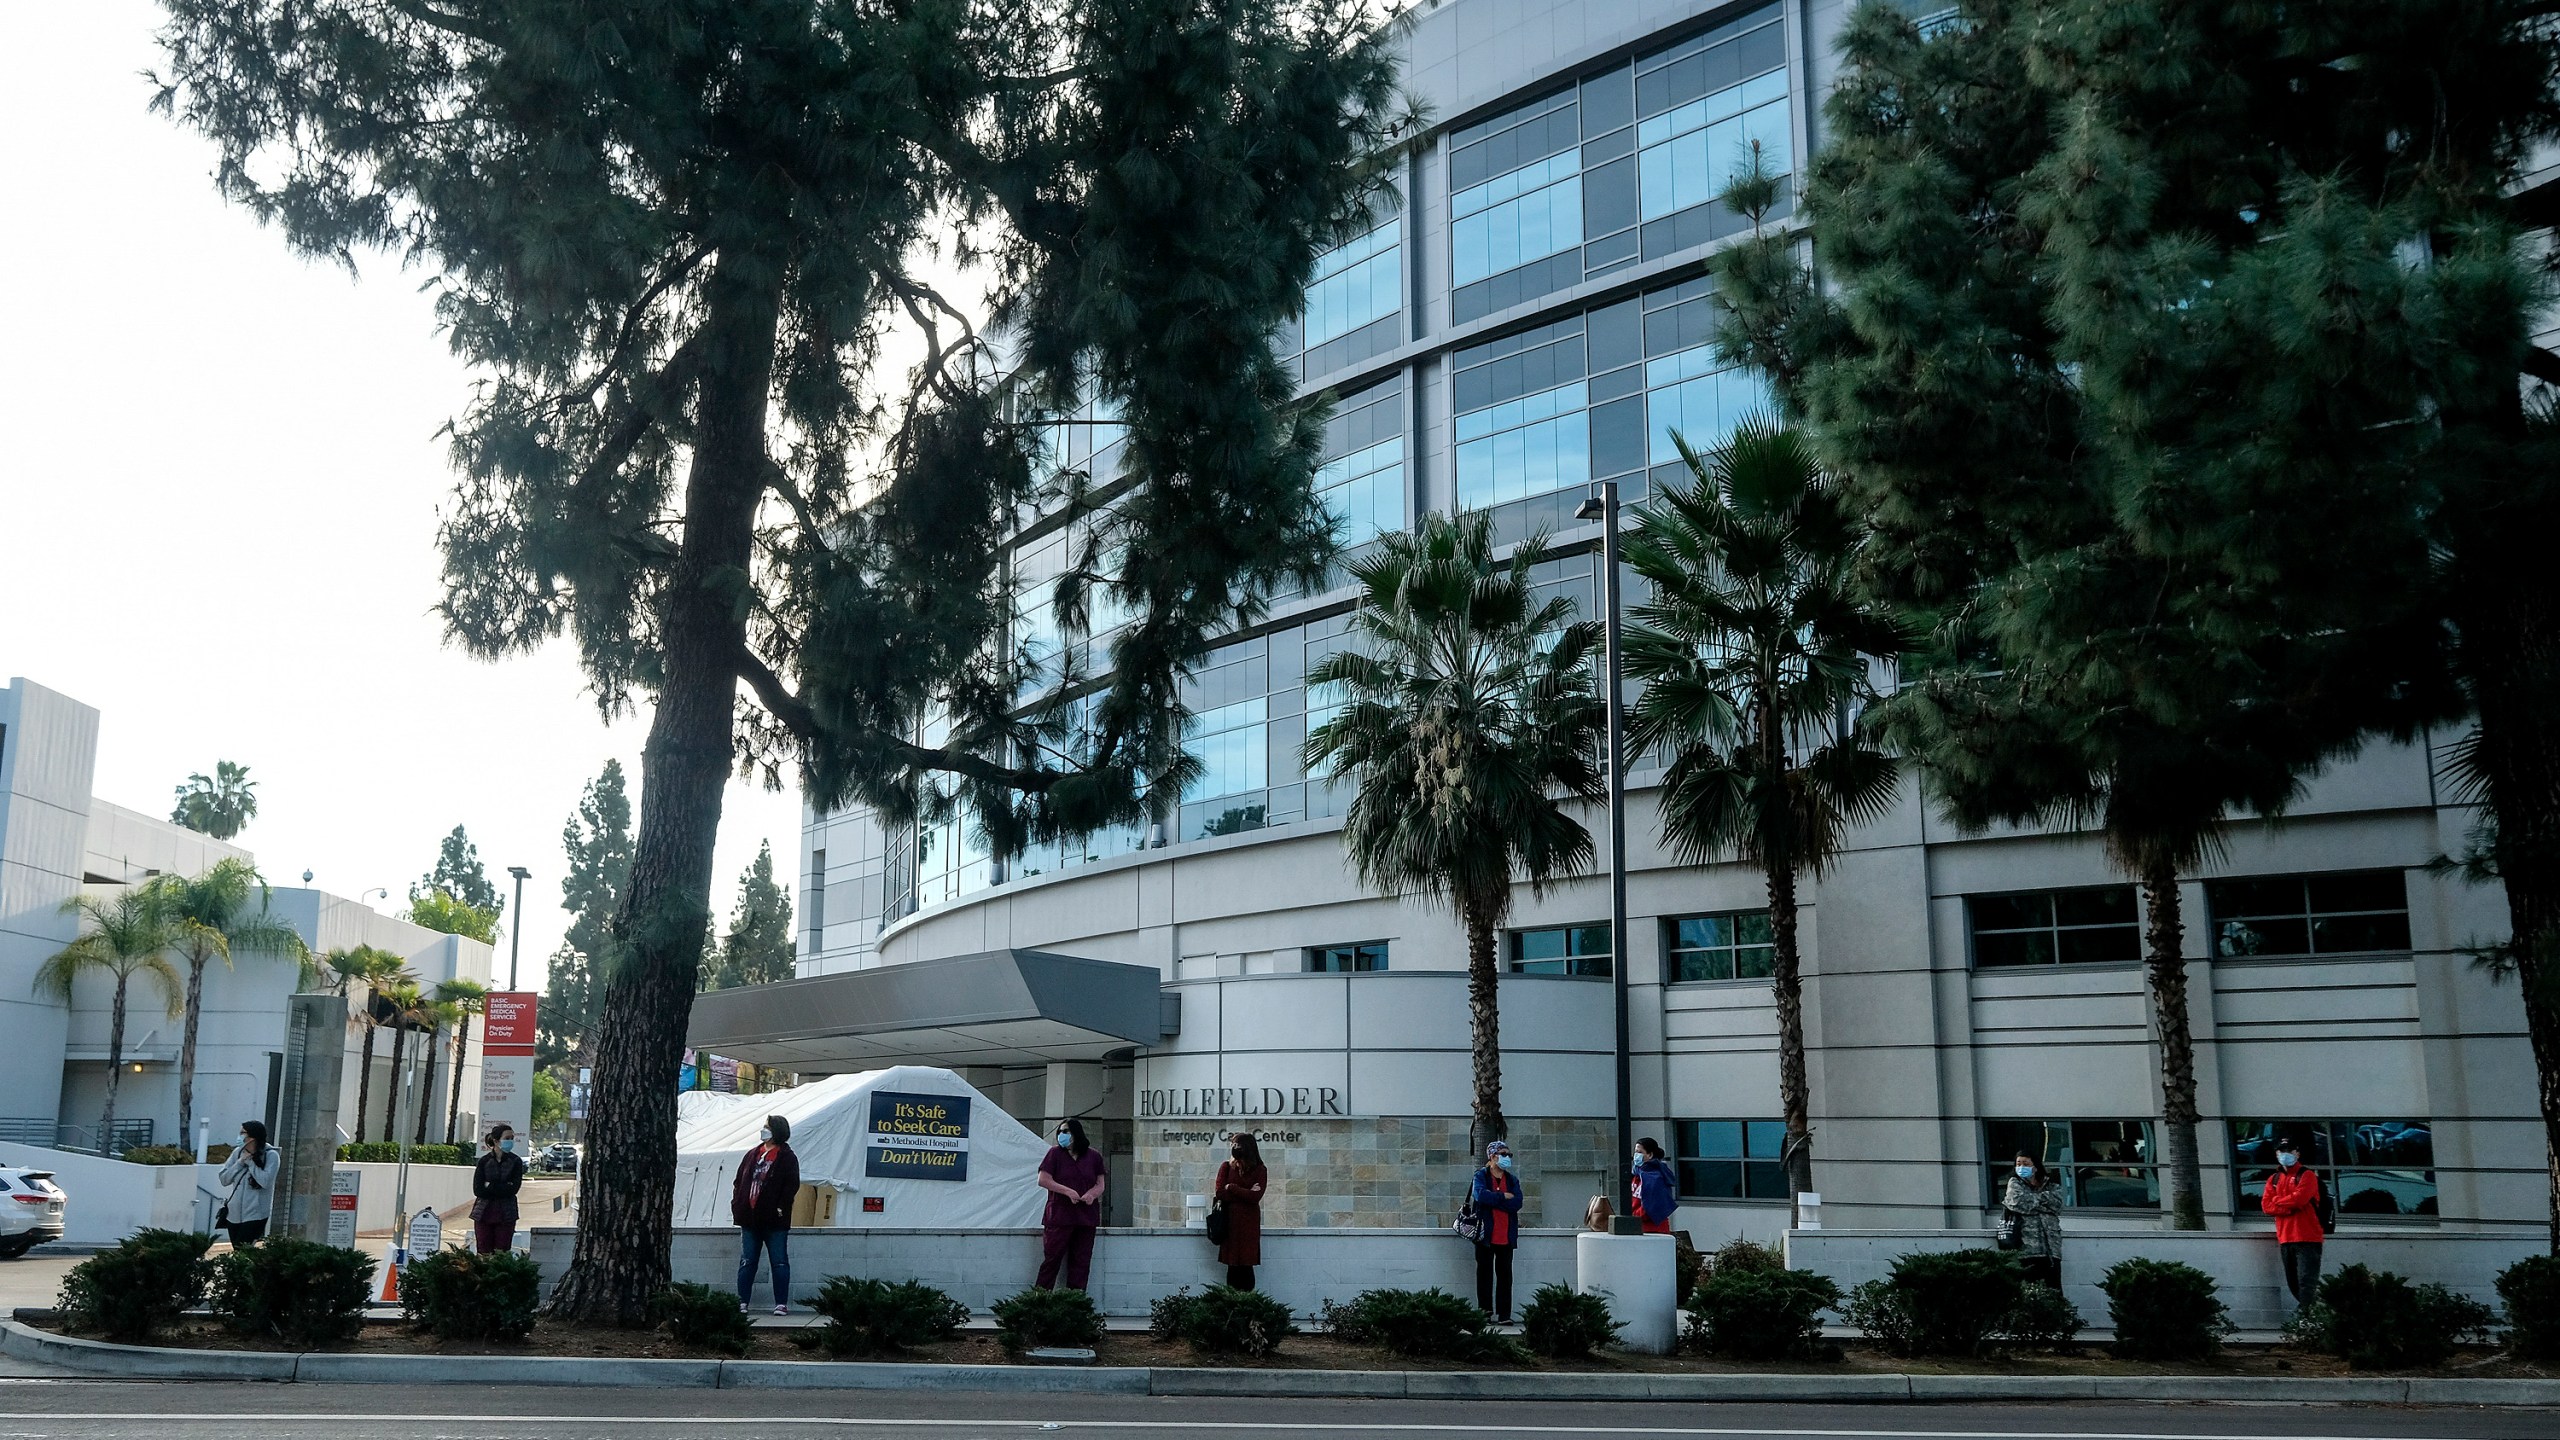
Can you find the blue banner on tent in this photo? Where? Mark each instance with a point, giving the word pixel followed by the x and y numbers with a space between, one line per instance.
pixel 917 1137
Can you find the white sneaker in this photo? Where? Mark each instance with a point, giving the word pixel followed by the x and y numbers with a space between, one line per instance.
pixel 781 1309
pixel 742 1307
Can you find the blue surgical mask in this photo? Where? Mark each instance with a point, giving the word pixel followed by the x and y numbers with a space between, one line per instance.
pixel 2288 1158
pixel 507 1146
pixel 1066 1137
pixel 1502 1160
pixel 2026 1172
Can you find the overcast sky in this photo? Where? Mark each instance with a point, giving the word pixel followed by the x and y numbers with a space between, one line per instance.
pixel 219 475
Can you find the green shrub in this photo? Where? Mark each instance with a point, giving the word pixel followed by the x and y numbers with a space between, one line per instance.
pixel 1420 1324
pixel 2042 1317
pixel 387 1152
pixel 130 1292
pixel 2376 1320
pixel 1165 1316
pixel 463 1296
pixel 1689 1266
pixel 1748 1313
pixel 1038 1318
pixel 1563 1324
pixel 1740 1254
pixel 1943 1303
pixel 2531 1289
pixel 878 1317
pixel 2163 1310
pixel 158 1155
pixel 1225 1321
pixel 701 1318
pixel 301 1292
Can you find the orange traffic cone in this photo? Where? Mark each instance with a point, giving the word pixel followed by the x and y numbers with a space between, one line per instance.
pixel 390 1278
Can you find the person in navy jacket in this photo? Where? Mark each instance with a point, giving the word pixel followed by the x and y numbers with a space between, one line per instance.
pixel 1653 1187
pixel 1497 1194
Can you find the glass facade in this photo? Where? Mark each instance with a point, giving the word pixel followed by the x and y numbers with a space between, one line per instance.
pixel 1737 946
pixel 1619 166
pixel 1731 1159
pixel 1541 413
pixel 2104 1164
pixel 2357 913
pixel 2098 925
pixel 1355 304
pixel 2372 1167
pixel 1561 950
pixel 1363 480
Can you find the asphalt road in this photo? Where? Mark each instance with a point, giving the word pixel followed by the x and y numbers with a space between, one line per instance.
pixel 91 1410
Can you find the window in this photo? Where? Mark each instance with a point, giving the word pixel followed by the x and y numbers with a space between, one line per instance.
pixel 1702 106
pixel 1358 959
pixel 1561 950
pixel 1353 298
pixel 815 897
pixel 2351 914
pixel 2104 1164
pixel 1521 428
pixel 2096 926
pixel 1361 482
pixel 1720 947
pixel 2373 1167
pixel 1731 1159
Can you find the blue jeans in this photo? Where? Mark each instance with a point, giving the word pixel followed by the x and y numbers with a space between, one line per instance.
pixel 774 1243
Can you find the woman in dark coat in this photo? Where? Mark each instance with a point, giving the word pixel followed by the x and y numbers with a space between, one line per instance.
pixel 494 1183
pixel 1239 1187
pixel 760 1202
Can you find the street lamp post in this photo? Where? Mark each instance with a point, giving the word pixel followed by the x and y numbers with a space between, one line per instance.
pixel 1603 507
pixel 515 931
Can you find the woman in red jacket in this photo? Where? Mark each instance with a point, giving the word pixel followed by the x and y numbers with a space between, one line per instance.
pixel 760 1202
pixel 2292 1195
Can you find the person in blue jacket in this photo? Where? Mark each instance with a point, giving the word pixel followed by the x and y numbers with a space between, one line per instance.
pixel 1653 1188
pixel 1497 1192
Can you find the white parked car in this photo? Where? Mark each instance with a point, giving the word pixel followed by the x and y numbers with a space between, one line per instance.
pixel 30 1211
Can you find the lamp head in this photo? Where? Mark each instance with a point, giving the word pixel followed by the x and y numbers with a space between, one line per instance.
pixel 1591 508
pixel 519 872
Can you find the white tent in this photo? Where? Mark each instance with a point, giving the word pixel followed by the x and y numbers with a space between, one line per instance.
pixel 920 1141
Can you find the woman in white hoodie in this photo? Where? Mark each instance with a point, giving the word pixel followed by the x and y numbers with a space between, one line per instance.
pixel 251 1174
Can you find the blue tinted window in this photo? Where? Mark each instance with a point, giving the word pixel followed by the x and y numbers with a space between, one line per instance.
pixel 1355 284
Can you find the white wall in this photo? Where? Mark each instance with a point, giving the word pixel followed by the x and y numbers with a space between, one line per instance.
pixel 48 749
pixel 107 1200
pixel 1131 1268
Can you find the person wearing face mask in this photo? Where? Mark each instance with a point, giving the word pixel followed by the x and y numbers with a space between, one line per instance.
pixel 2035 1197
pixel 1496 1192
pixel 760 1199
pixel 495 1179
pixel 251 1174
pixel 1653 1189
pixel 1239 1186
pixel 2292 1196
pixel 1074 1174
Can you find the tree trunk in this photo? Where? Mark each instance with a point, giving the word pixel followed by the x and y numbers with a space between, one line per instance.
pixel 461 1053
pixel 391 1102
pixel 2163 940
pixel 430 1047
pixel 364 1076
pixel 115 1067
pixel 187 1051
pixel 2509 617
pixel 1786 984
pixel 1484 1018
pixel 626 1193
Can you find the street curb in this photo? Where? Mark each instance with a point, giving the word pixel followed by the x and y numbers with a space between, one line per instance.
pixel 99 1357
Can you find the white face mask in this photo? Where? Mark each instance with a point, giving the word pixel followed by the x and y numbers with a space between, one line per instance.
pixel 766 1134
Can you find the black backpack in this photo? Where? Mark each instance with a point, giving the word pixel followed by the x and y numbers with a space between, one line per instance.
pixel 2326 1207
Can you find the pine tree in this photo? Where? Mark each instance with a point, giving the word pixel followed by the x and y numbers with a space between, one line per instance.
pixel 596 842
pixel 758 949
pixel 2132 363
pixel 671 233
pixel 458 873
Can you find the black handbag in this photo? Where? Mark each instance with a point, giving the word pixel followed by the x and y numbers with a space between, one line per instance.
pixel 1219 1225
pixel 2012 1234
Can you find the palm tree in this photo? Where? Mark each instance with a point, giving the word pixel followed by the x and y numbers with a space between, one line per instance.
pixel 376 970
pixel 211 917
pixel 122 938
pixel 221 804
pixel 407 1008
pixel 1471 720
pixel 468 998
pixel 1753 646
pixel 434 1014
